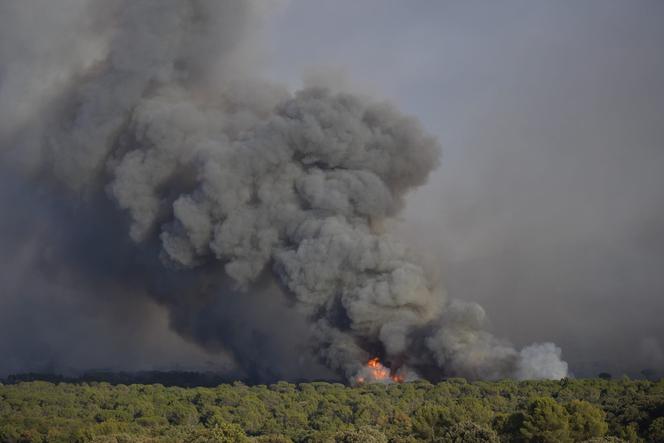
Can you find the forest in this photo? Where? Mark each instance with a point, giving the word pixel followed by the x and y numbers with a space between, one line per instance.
pixel 454 410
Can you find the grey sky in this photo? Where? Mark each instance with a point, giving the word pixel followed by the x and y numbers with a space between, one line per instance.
pixel 548 206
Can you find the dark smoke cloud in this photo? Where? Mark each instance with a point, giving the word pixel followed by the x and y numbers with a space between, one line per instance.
pixel 547 209
pixel 66 306
pixel 174 179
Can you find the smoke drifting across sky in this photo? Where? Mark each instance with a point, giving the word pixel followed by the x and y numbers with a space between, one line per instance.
pixel 253 216
pixel 153 176
pixel 547 207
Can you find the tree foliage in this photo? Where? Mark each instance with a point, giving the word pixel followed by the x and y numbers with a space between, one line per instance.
pixel 545 421
pixel 594 410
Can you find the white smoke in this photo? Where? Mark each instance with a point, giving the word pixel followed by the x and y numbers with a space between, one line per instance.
pixel 161 111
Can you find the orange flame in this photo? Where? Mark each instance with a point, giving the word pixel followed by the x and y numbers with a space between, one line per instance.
pixel 378 372
pixel 398 378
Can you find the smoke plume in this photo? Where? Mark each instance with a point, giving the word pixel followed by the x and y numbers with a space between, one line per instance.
pixel 253 215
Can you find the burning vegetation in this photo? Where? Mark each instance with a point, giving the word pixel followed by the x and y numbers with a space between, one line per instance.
pixel 375 372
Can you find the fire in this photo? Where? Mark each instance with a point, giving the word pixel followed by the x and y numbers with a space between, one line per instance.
pixel 375 372
pixel 398 378
pixel 378 371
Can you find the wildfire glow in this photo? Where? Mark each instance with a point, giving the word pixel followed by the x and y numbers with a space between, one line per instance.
pixel 374 371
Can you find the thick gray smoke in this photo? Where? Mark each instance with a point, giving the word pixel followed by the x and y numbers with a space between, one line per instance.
pixel 255 216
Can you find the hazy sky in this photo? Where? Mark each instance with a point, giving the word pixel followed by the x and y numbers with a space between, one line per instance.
pixel 548 207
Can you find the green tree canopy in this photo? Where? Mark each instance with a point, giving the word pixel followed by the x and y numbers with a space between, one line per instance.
pixel 545 421
pixel 585 420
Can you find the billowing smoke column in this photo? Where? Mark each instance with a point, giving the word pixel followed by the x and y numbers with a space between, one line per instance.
pixel 241 188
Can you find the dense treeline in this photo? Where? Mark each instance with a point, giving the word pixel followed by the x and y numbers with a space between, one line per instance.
pixel 452 411
pixel 184 379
